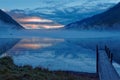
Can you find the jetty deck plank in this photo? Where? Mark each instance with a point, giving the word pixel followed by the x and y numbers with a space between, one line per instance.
pixel 106 69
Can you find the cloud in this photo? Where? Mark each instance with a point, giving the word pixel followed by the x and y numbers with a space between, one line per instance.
pixel 8 4
pixel 53 14
pixel 32 22
pixel 33 19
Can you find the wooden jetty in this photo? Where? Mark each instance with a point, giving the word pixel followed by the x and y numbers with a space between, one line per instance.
pixel 104 67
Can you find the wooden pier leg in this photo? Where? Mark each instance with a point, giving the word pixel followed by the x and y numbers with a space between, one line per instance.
pixel 109 54
pixel 97 54
pixel 111 58
pixel 106 49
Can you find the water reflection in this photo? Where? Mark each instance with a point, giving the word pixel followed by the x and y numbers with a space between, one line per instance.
pixel 7 43
pixel 61 54
pixel 90 43
pixel 36 44
pixel 55 54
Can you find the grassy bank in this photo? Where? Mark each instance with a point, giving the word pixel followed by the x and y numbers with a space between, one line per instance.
pixel 10 71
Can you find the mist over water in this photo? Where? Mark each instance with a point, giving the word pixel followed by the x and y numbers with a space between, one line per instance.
pixel 72 54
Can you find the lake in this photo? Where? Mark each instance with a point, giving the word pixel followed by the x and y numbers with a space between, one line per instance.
pixel 69 54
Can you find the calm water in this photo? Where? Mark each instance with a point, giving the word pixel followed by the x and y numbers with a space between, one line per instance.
pixel 56 54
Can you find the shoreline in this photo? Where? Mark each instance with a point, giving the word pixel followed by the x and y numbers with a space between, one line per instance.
pixel 10 71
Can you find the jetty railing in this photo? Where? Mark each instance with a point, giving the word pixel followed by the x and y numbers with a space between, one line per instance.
pixel 104 67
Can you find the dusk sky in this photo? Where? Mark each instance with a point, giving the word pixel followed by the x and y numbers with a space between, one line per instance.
pixel 19 4
pixel 22 4
pixel 36 14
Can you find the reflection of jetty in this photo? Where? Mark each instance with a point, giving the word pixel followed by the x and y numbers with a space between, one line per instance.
pixel 104 66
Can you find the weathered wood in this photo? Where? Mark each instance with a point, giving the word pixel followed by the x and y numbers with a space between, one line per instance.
pixel 106 69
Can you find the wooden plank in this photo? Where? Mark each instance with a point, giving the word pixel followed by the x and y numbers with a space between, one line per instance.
pixel 106 69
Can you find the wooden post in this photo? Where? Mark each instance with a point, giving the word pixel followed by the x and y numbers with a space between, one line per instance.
pixel 111 58
pixel 97 54
pixel 109 53
pixel 107 50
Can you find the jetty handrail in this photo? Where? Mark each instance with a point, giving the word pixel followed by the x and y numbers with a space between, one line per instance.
pixel 104 67
pixel 109 54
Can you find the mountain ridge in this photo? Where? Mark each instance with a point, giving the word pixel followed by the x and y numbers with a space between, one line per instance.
pixel 8 20
pixel 109 19
pixel 67 13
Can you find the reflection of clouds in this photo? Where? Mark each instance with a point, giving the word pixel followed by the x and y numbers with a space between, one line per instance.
pixel 33 45
pixel 36 43
pixel 38 23
pixel 41 40
pixel 59 56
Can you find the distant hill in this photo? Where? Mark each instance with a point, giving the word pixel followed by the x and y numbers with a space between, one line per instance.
pixel 70 11
pixel 107 20
pixel 6 20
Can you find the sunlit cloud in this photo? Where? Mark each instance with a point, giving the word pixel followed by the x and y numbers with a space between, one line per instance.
pixel 38 23
pixel 33 19
pixel 31 26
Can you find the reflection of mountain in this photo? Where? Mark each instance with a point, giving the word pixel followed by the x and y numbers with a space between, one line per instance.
pixel 55 54
pixel 7 22
pixel 45 47
pixel 112 43
pixel 106 20
pixel 34 45
pixel 7 43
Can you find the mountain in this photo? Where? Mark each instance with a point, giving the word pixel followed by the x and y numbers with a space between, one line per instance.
pixel 8 22
pixel 109 19
pixel 71 10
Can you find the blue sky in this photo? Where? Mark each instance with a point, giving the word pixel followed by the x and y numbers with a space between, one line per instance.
pixel 22 4
pixel 19 4
pixel 57 13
